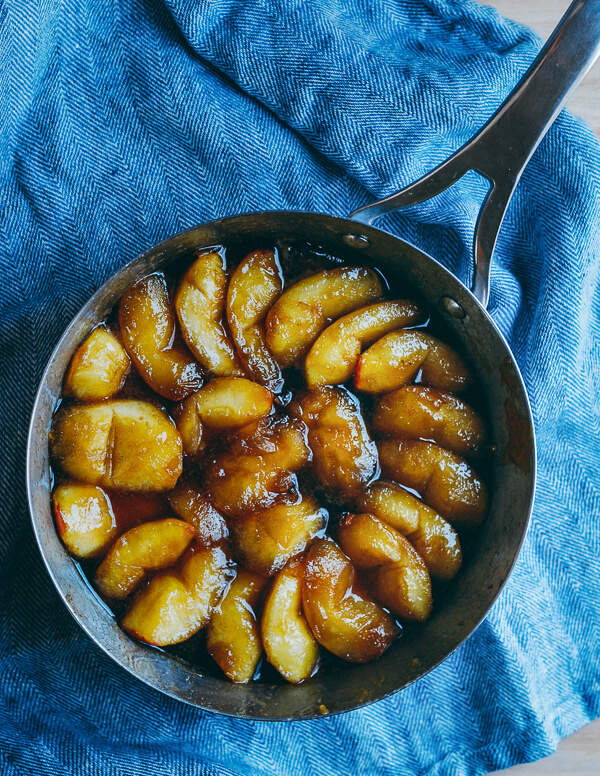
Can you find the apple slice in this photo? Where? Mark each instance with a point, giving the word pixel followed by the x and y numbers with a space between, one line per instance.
pixel 147 324
pixel 432 537
pixel 254 286
pixel 123 444
pixel 372 544
pixel 84 519
pixel 302 312
pixel 98 369
pixel 200 302
pixel 226 403
pixel 191 504
pixel 176 604
pixel 419 412
pixel 344 455
pixel 341 618
pixel 395 360
pixel 265 542
pixel 334 356
pixel 149 546
pixel 232 635
pixel 444 481
pixel 288 641
pixel 258 469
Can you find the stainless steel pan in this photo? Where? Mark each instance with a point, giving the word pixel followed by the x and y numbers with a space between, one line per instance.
pixel 499 151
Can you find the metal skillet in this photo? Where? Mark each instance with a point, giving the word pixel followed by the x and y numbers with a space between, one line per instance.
pixel 499 152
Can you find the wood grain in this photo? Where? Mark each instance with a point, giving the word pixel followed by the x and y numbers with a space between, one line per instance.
pixel 578 755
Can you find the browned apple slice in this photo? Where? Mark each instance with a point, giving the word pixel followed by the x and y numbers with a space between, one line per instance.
pixel 176 604
pixel 372 544
pixel 302 312
pixel 419 412
pixel 288 641
pixel 98 369
pixel 445 482
pixel 253 288
pixel 191 504
pixel 148 546
pixel 258 469
pixel 334 356
pixel 344 456
pixel 123 444
pixel 225 403
pixel 84 519
pixel 200 303
pixel 147 324
pixel 395 360
pixel 432 537
pixel 343 620
pixel 233 635
pixel 266 541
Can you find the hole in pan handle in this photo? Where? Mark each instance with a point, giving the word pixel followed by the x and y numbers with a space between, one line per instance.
pixel 501 149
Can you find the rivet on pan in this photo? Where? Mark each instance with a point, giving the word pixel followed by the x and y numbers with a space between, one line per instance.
pixel 452 307
pixel 356 240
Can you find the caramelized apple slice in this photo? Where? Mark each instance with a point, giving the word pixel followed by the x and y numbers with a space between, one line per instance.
pixel 370 544
pixel 154 545
pixel 232 635
pixel 191 504
pixel 176 604
pixel 266 541
pixel 344 456
pixel 147 324
pixel 254 286
pixel 432 537
pixel 343 620
pixel 122 444
pixel 225 403
pixel 289 643
pixel 306 308
pixel 418 412
pixel 395 360
pixel 258 470
pixel 97 370
pixel 200 302
pixel 84 519
pixel 334 356
pixel 445 482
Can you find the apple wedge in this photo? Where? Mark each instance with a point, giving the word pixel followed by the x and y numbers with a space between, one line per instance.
pixel 419 412
pixel 84 519
pixel 302 312
pixel 334 356
pixel 224 404
pixel 176 604
pixel 147 547
pixel 190 503
pixel 200 303
pixel 433 538
pixel 445 482
pixel 147 325
pixel 123 444
pixel 265 542
pixel 98 369
pixel 341 618
pixel 287 638
pixel 395 360
pixel 372 544
pixel 253 288
pixel 233 634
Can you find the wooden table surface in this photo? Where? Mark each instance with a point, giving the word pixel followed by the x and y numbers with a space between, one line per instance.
pixel 578 755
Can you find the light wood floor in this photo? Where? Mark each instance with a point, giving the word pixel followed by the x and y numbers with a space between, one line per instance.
pixel 578 755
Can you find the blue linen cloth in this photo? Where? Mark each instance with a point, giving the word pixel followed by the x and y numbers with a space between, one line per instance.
pixel 126 121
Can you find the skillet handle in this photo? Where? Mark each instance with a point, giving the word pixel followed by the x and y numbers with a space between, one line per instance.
pixel 501 149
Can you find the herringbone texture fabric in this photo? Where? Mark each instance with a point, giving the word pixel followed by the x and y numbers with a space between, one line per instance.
pixel 125 122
